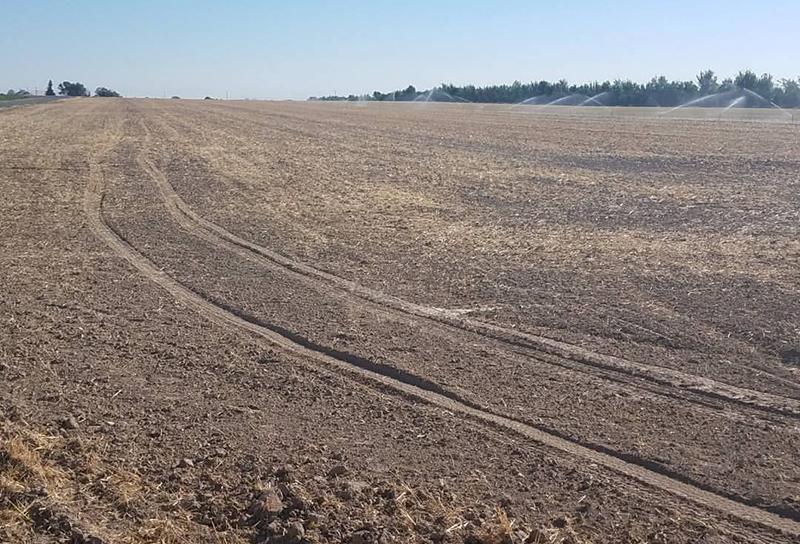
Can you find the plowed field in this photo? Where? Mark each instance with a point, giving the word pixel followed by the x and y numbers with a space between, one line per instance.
pixel 291 322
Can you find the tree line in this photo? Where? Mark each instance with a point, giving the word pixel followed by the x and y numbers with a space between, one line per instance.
pixel 657 92
pixel 67 88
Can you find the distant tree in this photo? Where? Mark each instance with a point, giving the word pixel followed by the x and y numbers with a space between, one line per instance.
pixel 765 86
pixel 409 93
pixel 176 97
pixel 659 91
pixel 50 91
pixel 746 80
pixel 727 85
pixel 664 92
pixel 707 82
pixel 788 95
pixel 72 89
pixel 102 91
pixel 208 98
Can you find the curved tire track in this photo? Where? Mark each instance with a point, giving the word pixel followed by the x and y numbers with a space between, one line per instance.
pixel 659 375
pixel 406 386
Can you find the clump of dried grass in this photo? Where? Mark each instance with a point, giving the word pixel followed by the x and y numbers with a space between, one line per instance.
pixel 25 478
pixel 64 487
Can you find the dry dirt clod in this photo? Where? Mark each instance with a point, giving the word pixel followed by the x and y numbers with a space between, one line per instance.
pixel 266 506
pixel 79 536
pixel 69 423
pixel 296 531
pixel 351 490
pixel 521 535
pixel 285 490
pixel 361 537
pixel 337 470
pixel 274 529
pixel 186 463
pixel 313 520
pixel 537 536
pixel 286 474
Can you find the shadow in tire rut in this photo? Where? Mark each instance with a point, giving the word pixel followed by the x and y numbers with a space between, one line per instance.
pixel 427 385
pixel 783 510
pixel 347 357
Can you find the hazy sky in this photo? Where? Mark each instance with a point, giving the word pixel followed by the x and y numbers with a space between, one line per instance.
pixel 286 49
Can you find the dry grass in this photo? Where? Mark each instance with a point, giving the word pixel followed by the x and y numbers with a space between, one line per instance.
pixel 57 487
pixel 30 484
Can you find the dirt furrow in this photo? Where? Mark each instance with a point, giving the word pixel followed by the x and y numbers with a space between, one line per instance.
pixel 658 375
pixel 415 388
pixel 394 306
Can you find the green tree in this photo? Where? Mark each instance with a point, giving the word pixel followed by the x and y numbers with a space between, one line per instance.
pixel 707 82
pixel 72 89
pixel 102 91
pixel 659 91
pixel 765 86
pixel 726 85
pixel 788 96
pixel 50 91
pixel 409 93
pixel 746 80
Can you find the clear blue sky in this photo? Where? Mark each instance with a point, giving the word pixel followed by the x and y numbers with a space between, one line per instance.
pixel 286 49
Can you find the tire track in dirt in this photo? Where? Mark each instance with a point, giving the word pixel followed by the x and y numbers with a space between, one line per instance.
pixel 409 385
pixel 191 227
pixel 287 124
pixel 659 375
pixel 178 209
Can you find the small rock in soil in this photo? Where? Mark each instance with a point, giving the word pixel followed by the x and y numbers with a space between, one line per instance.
pixel 186 463
pixel 337 470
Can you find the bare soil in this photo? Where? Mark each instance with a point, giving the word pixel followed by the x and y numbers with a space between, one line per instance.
pixel 281 322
